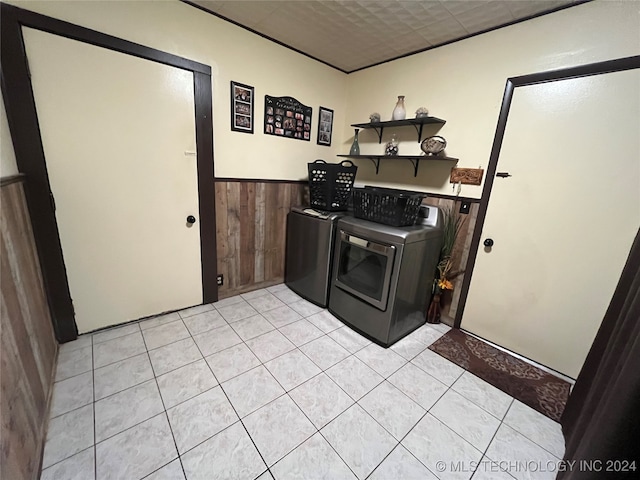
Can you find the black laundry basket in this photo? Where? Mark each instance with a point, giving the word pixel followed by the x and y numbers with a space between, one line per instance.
pixel 398 208
pixel 330 184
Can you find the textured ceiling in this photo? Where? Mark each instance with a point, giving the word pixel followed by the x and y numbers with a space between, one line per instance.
pixel 354 34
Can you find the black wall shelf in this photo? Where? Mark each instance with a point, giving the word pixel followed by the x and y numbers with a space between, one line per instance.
pixel 417 123
pixel 414 159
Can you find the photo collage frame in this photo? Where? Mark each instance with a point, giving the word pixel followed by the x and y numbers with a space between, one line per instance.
pixel 287 117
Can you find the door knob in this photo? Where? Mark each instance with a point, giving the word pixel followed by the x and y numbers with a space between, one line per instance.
pixel 488 242
pixel 191 219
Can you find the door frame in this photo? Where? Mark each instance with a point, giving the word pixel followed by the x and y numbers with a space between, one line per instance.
pixel 27 142
pixel 599 68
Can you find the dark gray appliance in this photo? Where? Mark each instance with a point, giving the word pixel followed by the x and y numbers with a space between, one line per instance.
pixel 382 276
pixel 309 252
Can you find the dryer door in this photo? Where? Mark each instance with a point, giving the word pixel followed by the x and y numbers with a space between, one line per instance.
pixel 364 269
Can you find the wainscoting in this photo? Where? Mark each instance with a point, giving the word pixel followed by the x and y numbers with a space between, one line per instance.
pixel 251 221
pixel 251 218
pixel 460 254
pixel 28 347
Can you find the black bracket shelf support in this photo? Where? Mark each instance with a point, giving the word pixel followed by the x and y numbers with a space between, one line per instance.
pixel 415 162
pixel 379 132
pixel 419 132
pixel 376 163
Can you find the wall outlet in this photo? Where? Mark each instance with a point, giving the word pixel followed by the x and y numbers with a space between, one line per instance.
pixel 465 207
pixel 220 279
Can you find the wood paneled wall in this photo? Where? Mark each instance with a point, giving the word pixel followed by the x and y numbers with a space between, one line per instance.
pixel 251 222
pixel 28 347
pixel 460 254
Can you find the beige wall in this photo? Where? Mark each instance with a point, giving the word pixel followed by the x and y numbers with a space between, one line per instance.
pixel 233 54
pixel 463 83
pixel 8 165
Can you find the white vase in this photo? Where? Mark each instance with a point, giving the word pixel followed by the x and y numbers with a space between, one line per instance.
pixel 399 113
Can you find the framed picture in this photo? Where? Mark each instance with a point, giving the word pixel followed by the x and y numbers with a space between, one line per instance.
pixel 287 117
pixel 241 107
pixel 325 126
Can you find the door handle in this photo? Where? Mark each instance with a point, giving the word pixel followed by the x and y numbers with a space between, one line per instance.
pixel 191 219
pixel 488 242
pixel 503 174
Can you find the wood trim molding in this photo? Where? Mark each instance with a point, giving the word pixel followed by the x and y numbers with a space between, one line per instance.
pixel 204 9
pixel 255 32
pixel 20 177
pixel 609 66
pixel 206 187
pixel 599 68
pixel 38 21
pixel 453 197
pixel 305 182
pixel 25 132
pixel 257 180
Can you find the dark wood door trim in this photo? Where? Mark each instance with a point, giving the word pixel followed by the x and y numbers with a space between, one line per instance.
pixel 19 178
pixel 206 186
pixel 25 133
pixel 35 20
pixel 609 66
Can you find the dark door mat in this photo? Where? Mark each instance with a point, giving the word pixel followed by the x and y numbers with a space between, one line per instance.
pixel 540 390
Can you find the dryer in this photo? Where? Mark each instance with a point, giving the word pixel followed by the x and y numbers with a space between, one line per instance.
pixel 382 276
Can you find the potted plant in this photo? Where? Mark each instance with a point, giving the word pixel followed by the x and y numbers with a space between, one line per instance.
pixel 452 222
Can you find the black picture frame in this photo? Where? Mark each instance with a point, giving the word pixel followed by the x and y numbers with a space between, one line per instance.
pixel 288 118
pixel 325 126
pixel 241 107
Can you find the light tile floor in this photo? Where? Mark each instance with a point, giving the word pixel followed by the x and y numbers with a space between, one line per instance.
pixel 267 385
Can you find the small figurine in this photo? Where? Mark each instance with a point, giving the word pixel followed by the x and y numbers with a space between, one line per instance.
pixel 374 117
pixel 422 112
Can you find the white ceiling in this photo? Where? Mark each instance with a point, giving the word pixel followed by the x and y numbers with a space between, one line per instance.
pixel 354 34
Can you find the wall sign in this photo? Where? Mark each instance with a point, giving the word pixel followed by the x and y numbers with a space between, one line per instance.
pixel 467 176
pixel 325 126
pixel 287 117
pixel 241 107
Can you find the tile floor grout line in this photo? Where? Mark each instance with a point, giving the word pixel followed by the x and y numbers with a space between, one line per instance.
pixel 73 376
pixel 355 402
pixel 484 453
pixel 239 418
pixel 72 410
pixel 297 406
pixel 287 392
pixel 530 439
pixel 427 412
pixel 476 404
pixel 280 396
pixel 513 400
pixel 161 467
pixel 336 452
pixel 91 447
pixel 173 437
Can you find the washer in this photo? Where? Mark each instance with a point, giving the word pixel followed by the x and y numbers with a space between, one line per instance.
pixel 309 252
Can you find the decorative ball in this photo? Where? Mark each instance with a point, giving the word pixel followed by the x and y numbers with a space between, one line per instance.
pixel 391 150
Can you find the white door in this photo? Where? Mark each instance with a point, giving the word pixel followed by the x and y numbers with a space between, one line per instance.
pixel 119 142
pixel 564 222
